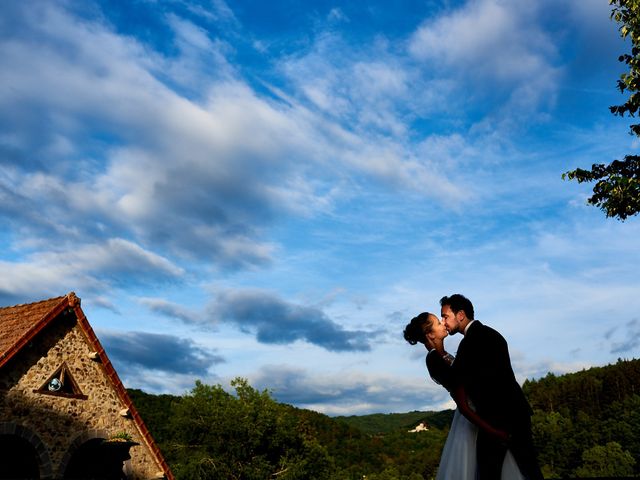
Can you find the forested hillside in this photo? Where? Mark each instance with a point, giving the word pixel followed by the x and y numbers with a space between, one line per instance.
pixel 383 423
pixel 211 434
pixel 586 424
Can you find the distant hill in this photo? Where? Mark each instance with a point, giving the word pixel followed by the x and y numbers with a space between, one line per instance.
pixel 585 391
pixel 586 424
pixel 382 423
pixel 591 391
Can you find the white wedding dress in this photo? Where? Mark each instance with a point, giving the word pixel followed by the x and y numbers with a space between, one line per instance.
pixel 458 460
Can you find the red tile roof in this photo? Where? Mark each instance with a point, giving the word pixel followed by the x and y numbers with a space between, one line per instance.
pixel 21 323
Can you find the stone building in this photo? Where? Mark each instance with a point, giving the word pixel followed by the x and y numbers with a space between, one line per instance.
pixel 64 412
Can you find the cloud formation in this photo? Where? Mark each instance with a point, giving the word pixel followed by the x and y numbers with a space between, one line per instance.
pixel 484 44
pixel 350 393
pixel 631 339
pixel 274 320
pixel 134 186
pixel 154 351
pixel 96 266
pixel 171 310
pixel 151 150
pixel 124 151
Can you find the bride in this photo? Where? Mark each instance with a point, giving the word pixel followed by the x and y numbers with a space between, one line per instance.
pixel 458 460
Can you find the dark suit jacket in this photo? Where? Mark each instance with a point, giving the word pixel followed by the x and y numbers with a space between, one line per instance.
pixel 483 366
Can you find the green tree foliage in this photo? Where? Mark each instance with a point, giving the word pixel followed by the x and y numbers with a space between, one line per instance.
pixel 584 423
pixel 617 188
pixel 157 411
pixel 608 460
pixel 588 391
pixel 211 434
pixel 381 423
pixel 577 415
pixel 557 446
pixel 246 436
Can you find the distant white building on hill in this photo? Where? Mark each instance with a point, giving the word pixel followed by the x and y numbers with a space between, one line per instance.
pixel 421 427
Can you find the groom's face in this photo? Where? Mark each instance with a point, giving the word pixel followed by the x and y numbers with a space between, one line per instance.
pixel 451 320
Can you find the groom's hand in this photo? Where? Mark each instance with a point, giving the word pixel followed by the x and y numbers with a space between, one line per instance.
pixel 429 343
pixel 438 344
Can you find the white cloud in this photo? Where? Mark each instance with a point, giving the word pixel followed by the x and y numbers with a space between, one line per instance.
pixel 390 175
pixel 200 60
pixel 224 151
pixel 95 267
pixel 350 392
pixel 246 159
pixel 337 15
pixel 125 257
pixel 494 38
pixel 172 310
pixel 214 12
pixel 491 46
pixel 367 89
pixel 276 321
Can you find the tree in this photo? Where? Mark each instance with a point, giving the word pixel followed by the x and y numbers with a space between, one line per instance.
pixel 555 439
pixel 609 460
pixel 617 188
pixel 246 436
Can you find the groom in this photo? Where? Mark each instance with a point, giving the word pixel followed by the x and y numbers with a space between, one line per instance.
pixel 483 367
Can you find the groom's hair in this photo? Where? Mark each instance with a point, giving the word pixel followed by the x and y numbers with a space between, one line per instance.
pixel 458 302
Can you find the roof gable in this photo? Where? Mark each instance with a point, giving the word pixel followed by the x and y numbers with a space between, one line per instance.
pixel 19 324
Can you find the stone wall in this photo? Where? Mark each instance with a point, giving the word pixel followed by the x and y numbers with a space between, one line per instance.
pixel 62 424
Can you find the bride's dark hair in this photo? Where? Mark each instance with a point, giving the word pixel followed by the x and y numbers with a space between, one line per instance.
pixel 414 331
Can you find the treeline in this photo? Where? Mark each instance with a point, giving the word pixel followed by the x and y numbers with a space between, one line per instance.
pixel 586 424
pixel 383 423
pixel 212 434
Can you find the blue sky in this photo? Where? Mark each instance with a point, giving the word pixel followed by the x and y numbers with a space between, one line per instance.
pixel 273 190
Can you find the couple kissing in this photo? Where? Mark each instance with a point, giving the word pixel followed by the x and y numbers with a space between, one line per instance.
pixel 490 436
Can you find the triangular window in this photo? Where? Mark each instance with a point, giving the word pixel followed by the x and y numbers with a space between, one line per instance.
pixel 62 384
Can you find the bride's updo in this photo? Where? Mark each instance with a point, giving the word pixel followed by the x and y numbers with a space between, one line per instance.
pixel 416 329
